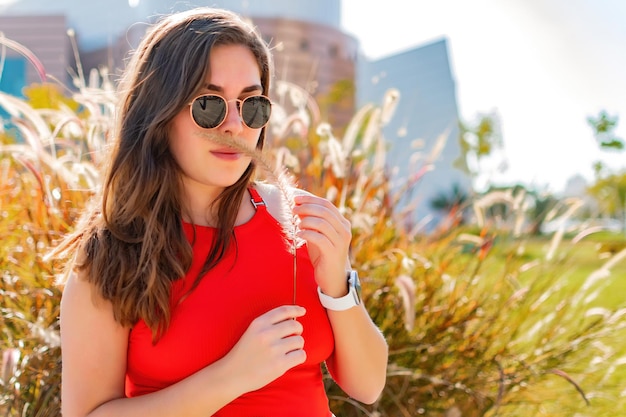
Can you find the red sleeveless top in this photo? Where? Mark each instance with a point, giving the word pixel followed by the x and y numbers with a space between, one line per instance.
pixel 255 276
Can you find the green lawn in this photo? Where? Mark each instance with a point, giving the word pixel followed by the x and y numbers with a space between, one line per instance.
pixel 578 261
pixel 587 256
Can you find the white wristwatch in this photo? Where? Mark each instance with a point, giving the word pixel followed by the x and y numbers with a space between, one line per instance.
pixel 352 299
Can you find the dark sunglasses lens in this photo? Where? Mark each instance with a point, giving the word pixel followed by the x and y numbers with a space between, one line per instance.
pixel 208 111
pixel 255 111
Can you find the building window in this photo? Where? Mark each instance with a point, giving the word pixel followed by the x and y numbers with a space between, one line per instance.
pixel 304 45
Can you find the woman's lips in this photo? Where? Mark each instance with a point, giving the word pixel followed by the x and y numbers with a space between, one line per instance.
pixel 226 154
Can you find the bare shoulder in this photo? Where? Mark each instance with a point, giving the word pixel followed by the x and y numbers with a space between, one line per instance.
pixel 79 293
pixel 275 198
pixel 93 348
pixel 272 195
pixel 84 310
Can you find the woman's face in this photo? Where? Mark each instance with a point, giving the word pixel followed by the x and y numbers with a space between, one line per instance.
pixel 208 167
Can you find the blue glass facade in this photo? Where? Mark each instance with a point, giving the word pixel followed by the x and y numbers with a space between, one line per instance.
pixel 13 78
pixel 12 81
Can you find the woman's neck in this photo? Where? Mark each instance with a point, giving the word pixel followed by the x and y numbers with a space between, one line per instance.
pixel 200 208
pixel 199 204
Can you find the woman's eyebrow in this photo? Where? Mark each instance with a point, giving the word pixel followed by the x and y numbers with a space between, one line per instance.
pixel 249 89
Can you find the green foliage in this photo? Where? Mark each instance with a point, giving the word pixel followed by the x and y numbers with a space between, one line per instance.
pixel 609 189
pixel 49 96
pixel 482 319
pixel 37 206
pixel 478 141
pixel 604 131
pixel 29 300
pixel 446 202
pixel 610 193
pixel 488 324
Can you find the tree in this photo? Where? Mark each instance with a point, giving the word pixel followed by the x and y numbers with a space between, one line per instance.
pixel 603 130
pixel 478 142
pixel 609 188
pixel 610 193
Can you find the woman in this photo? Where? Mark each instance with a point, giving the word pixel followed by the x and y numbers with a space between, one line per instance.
pixel 182 300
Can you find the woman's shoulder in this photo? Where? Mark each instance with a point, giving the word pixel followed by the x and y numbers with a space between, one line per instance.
pixel 277 199
pixel 272 193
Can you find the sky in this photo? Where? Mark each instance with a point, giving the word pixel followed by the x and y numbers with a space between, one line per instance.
pixel 542 66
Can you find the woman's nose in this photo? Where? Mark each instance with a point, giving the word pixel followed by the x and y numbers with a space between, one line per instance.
pixel 232 122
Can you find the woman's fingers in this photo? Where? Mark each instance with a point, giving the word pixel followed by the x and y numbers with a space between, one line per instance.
pixel 278 324
pixel 321 216
pixel 271 345
pixel 282 313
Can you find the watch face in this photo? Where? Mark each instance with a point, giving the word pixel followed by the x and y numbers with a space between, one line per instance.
pixel 354 281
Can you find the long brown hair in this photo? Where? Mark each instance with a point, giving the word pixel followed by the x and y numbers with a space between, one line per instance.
pixel 131 243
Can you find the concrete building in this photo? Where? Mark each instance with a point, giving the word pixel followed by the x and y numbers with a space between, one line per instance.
pixel 310 50
pixel 425 122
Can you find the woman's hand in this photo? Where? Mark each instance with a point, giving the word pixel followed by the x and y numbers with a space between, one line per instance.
pixel 270 346
pixel 328 235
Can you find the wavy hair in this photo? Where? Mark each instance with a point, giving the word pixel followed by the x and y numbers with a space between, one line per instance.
pixel 131 243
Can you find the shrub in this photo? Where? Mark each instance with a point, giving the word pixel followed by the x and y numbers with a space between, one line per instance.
pixel 480 319
pixel 47 173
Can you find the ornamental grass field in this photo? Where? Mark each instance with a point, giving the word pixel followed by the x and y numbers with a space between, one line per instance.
pixel 482 317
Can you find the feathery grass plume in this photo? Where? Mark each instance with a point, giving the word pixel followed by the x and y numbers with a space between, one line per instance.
pixel 520 206
pixel 390 103
pixel 294 112
pixel 438 147
pixel 299 98
pixel 10 359
pixel 406 288
pixel 284 158
pixel 558 236
pixel 355 125
pixel 336 156
pixel 418 168
pixel 482 204
pixel 25 52
pixel 275 175
pixel 79 79
pixel 599 277
pixel 586 232
pixel 29 122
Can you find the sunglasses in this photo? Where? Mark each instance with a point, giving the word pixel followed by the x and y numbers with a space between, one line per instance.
pixel 209 111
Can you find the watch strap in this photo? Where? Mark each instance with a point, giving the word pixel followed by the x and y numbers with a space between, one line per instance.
pixel 346 302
